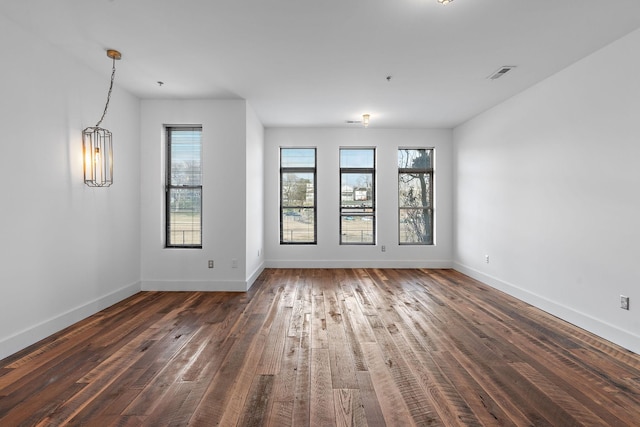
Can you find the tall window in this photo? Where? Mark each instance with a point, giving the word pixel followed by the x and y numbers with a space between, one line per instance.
pixel 298 195
pixel 184 187
pixel 357 196
pixel 415 196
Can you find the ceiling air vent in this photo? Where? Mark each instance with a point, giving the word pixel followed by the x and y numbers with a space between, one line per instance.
pixel 501 72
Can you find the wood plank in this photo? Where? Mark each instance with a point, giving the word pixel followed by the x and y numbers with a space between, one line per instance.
pixel 321 393
pixel 348 408
pixel 319 338
pixel 572 410
pixel 284 387
pixel 370 402
pixel 301 306
pixel 271 359
pixel 257 402
pixel 343 369
pixel 302 402
pixel 281 414
pixel 394 408
pixel 352 339
pixel 214 402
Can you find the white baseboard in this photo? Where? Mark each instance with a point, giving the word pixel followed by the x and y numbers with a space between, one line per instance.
pixel 358 264
pixel 25 338
pixel 203 285
pixel 254 276
pixel 587 322
pixel 195 285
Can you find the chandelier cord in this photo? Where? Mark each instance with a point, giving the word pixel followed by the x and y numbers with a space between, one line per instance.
pixel 113 75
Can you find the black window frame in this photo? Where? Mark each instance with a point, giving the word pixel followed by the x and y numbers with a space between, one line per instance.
pixel 169 186
pixel 352 211
pixel 428 211
pixel 305 170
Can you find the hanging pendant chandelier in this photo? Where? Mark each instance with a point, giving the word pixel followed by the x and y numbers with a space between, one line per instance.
pixel 97 145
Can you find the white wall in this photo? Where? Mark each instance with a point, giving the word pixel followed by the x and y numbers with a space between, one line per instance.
pixel 547 185
pixel 328 252
pixel 255 197
pixel 67 250
pixel 224 199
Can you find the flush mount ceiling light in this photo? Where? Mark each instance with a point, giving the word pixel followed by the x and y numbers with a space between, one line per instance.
pixel 444 1
pixel 97 146
pixel 364 121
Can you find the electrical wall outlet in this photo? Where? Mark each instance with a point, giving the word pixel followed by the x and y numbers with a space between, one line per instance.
pixel 383 248
pixel 486 259
pixel 624 302
pixel 210 263
pixel 234 263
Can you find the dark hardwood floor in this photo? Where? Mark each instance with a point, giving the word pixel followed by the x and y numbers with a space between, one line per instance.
pixel 345 347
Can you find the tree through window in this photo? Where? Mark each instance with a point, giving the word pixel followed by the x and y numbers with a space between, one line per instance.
pixel 415 196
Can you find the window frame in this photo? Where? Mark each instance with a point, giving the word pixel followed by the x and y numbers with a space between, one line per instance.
pixel 428 210
pixel 169 186
pixel 305 170
pixel 349 211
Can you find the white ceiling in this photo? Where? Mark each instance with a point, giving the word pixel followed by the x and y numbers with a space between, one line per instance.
pixel 323 62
